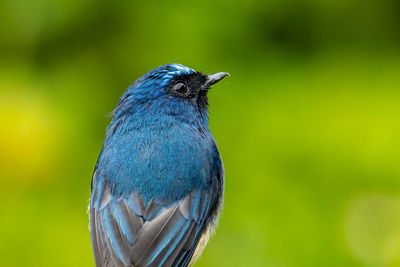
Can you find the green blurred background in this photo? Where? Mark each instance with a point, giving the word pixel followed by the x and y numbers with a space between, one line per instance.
pixel 307 124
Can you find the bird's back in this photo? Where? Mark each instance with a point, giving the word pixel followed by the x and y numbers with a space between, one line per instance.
pixel 156 192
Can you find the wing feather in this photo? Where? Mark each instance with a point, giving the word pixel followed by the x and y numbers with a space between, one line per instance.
pixel 126 233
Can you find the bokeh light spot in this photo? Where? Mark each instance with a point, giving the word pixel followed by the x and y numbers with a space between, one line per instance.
pixel 29 134
pixel 372 228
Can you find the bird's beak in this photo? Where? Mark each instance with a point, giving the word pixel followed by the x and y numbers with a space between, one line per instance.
pixel 216 77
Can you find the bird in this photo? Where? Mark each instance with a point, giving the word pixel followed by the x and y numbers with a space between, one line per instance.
pixel 158 184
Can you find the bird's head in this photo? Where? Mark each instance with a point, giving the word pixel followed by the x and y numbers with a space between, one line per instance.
pixel 171 90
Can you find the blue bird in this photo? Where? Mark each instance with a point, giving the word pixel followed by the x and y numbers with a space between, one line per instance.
pixel 157 188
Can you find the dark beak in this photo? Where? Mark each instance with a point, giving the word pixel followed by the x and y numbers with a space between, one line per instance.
pixel 216 77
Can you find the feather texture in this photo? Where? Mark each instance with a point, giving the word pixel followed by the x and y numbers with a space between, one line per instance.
pixel 125 233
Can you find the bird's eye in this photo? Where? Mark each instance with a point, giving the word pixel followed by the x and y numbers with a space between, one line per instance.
pixel 181 88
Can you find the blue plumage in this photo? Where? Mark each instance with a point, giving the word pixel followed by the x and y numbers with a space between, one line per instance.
pixel 158 183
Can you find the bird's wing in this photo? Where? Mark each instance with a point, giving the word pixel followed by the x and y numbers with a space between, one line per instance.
pixel 125 232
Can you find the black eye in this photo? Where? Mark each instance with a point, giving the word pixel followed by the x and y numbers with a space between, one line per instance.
pixel 181 88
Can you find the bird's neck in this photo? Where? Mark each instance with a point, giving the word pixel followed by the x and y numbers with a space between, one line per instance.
pixel 152 122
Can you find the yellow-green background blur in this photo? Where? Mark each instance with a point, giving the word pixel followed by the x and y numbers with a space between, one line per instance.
pixel 308 124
